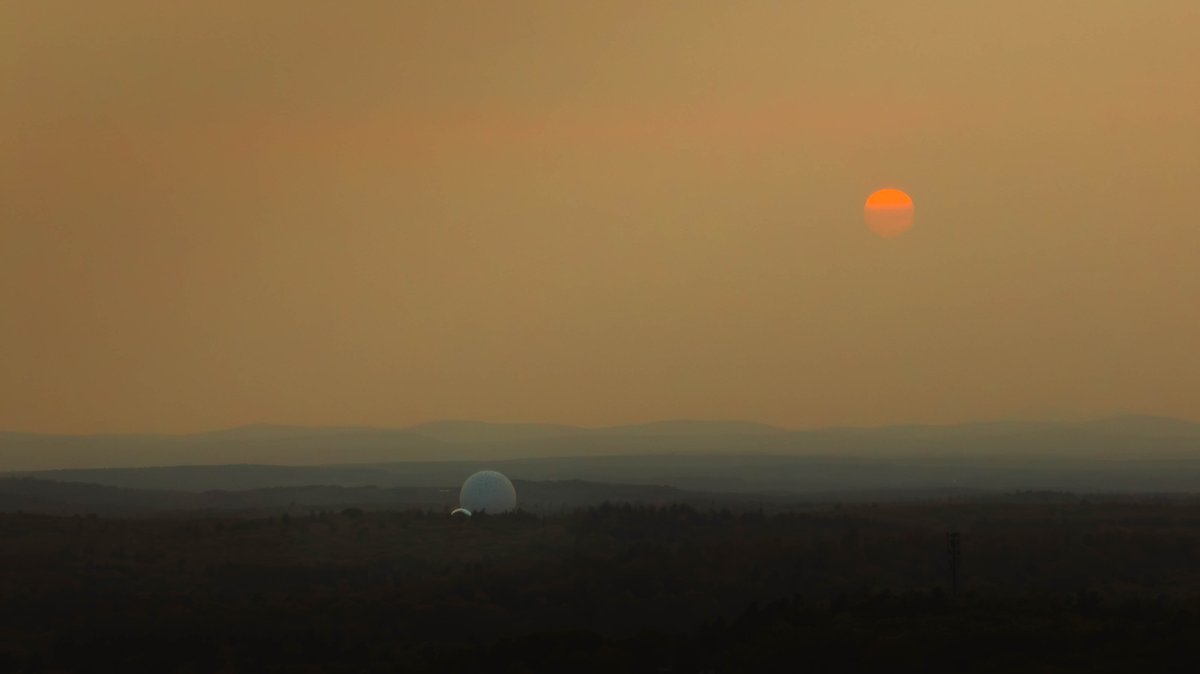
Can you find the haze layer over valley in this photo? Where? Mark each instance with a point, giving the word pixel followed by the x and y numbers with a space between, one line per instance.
pixel 1127 454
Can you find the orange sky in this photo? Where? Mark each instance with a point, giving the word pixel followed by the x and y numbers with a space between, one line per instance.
pixel 214 214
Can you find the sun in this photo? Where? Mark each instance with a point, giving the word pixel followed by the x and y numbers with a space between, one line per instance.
pixel 889 212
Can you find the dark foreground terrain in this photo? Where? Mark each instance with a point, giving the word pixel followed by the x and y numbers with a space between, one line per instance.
pixel 1049 584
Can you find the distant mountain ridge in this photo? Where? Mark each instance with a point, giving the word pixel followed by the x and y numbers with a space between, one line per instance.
pixel 1110 438
pixel 483 431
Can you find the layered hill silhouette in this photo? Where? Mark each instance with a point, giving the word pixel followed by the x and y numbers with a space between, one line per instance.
pixel 1115 438
pixel 1119 454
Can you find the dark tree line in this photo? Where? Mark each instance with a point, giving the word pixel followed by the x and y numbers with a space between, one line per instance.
pixel 1060 585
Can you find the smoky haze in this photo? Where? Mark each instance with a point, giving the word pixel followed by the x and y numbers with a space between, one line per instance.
pixel 1129 454
pixel 217 214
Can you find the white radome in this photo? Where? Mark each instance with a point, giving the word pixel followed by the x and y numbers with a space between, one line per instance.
pixel 489 491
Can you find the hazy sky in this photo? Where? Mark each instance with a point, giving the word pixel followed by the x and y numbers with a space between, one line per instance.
pixel 381 213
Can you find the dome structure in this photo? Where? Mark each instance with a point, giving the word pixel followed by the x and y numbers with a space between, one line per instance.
pixel 488 491
pixel 460 512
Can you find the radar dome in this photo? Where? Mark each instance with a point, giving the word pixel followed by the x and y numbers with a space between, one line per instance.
pixel 489 491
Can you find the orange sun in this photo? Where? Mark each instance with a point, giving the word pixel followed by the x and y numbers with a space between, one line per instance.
pixel 889 212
